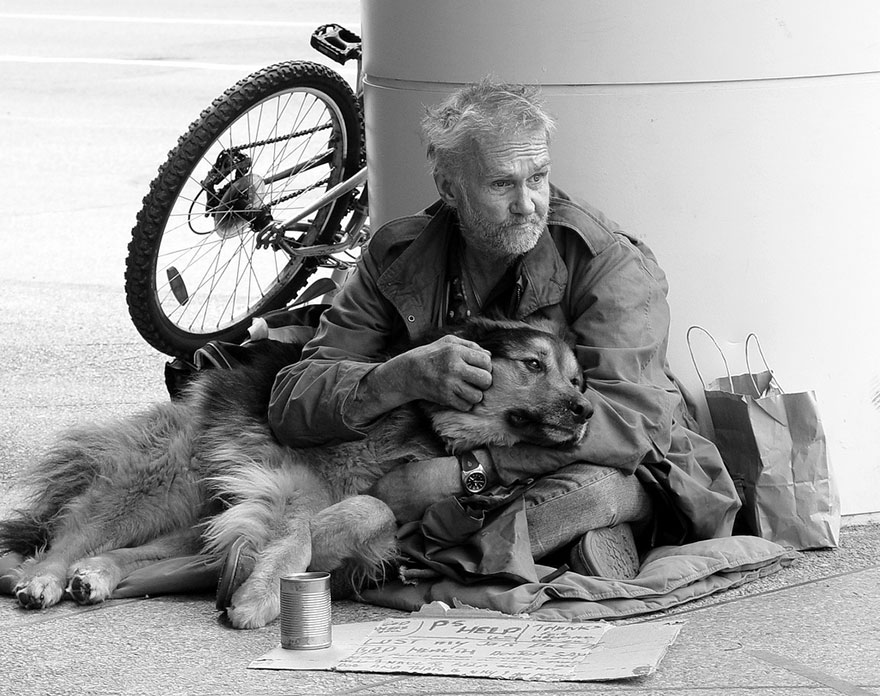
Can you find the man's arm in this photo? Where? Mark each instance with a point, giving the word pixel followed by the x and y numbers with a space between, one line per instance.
pixel 343 382
pixel 308 398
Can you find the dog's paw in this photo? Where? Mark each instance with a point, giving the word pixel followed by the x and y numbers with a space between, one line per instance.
pixel 38 592
pixel 254 605
pixel 92 583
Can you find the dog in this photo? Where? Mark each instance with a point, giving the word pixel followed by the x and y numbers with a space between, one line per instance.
pixel 193 475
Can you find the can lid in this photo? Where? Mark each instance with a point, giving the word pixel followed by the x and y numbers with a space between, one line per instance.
pixel 310 575
pixel 313 580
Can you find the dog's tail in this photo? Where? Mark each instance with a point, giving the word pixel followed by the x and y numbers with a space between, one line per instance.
pixel 64 472
pixel 24 534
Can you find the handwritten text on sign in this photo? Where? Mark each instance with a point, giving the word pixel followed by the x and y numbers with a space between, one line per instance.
pixel 504 648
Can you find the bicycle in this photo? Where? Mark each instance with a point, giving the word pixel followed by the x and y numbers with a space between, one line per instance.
pixel 266 186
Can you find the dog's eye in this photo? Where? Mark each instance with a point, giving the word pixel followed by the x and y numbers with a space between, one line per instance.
pixel 533 364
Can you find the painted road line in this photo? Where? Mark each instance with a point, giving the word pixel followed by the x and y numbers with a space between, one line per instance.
pixel 177 64
pixel 156 20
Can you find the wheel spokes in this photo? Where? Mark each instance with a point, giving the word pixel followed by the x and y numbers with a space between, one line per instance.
pixel 208 258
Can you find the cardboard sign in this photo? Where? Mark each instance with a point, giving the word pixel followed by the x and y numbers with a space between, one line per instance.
pixel 473 645
pixel 494 648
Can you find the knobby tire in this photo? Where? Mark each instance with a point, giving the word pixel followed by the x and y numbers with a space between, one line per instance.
pixel 172 305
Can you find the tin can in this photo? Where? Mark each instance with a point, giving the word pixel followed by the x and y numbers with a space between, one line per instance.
pixel 305 611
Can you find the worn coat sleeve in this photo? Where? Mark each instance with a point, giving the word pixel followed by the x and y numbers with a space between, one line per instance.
pixel 308 399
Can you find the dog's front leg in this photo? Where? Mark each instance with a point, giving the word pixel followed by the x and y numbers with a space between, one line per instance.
pixel 412 487
pixel 94 579
pixel 40 583
pixel 42 579
pixel 258 600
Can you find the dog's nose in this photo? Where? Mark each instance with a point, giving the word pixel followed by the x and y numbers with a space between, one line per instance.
pixel 581 409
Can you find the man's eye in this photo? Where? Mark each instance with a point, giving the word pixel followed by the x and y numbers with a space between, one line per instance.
pixel 533 364
pixel 538 178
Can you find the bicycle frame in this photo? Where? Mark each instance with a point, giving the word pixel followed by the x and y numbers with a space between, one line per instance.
pixel 340 45
pixel 352 237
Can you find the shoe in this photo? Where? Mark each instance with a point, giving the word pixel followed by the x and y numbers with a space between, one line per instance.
pixel 607 552
pixel 237 567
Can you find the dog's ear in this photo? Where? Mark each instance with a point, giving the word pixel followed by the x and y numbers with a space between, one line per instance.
pixel 553 327
pixel 542 323
pixel 481 329
pixel 564 333
pixel 487 331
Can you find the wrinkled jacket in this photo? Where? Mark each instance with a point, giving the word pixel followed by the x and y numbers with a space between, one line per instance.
pixel 584 272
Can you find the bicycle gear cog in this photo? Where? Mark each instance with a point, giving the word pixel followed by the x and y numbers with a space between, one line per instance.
pixel 241 203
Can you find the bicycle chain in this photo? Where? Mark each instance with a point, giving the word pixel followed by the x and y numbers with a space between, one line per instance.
pixel 278 139
pixel 294 194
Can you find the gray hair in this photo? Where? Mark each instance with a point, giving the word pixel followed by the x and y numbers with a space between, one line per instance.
pixel 452 129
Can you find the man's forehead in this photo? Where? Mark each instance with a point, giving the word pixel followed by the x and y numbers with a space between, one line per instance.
pixel 504 155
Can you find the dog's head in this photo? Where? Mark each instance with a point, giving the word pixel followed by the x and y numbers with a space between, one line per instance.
pixel 536 394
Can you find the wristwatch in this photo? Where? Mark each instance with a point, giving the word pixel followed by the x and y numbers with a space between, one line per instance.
pixel 473 473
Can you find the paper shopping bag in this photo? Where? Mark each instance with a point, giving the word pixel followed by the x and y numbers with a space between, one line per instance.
pixel 773 444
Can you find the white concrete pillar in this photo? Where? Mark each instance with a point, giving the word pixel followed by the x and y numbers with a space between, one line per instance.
pixel 740 139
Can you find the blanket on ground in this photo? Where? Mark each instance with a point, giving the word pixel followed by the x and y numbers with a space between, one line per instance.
pixel 461 555
pixel 669 576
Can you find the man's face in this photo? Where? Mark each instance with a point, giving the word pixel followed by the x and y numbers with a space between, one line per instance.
pixel 505 195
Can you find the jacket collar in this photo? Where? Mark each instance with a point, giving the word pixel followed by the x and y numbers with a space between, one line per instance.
pixel 415 283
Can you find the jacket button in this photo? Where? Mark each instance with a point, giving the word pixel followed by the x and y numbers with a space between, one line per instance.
pixel 410 318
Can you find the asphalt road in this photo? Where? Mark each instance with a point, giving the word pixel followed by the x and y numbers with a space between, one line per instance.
pixel 91 100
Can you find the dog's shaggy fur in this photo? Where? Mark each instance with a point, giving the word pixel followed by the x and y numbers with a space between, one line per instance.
pixel 193 475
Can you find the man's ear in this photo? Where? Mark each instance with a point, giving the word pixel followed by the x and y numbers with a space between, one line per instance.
pixel 447 188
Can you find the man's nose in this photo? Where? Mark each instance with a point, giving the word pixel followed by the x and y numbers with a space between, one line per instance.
pixel 523 203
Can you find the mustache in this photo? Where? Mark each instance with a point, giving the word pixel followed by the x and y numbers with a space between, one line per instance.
pixel 533 220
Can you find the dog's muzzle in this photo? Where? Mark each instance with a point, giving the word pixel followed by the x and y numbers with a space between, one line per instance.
pixel 581 409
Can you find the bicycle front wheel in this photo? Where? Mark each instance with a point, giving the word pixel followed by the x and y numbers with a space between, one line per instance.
pixel 262 151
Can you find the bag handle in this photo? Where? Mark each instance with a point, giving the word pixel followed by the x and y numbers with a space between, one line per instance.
pixel 694 360
pixel 754 337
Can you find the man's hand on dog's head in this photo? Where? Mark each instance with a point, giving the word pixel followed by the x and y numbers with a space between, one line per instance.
pixel 451 371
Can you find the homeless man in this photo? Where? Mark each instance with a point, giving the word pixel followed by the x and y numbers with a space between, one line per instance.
pixel 502 240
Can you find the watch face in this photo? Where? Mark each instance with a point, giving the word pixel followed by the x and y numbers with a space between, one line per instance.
pixel 475 481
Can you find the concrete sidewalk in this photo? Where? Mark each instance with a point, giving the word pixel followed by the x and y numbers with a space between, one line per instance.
pixel 809 629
